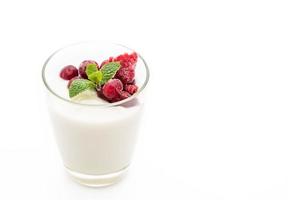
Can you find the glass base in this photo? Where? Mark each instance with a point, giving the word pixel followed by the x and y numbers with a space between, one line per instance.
pixel 97 180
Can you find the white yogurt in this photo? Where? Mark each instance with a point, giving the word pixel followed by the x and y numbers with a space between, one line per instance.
pixel 94 140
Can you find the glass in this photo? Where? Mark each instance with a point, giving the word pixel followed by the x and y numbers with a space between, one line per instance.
pixel 96 141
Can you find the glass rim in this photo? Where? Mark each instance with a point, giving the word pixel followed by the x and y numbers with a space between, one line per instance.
pixel 95 105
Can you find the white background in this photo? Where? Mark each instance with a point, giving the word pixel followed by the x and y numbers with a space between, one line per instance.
pixel 215 126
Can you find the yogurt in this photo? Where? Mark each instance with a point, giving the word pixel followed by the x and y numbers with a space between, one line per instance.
pixel 95 140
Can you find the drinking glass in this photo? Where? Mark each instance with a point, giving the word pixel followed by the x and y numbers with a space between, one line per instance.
pixel 96 140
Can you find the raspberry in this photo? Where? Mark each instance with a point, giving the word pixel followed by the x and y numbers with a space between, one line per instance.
pixel 112 89
pixel 72 79
pixel 126 73
pixel 124 95
pixel 127 60
pixel 69 72
pixel 131 89
pixel 83 66
pixel 121 96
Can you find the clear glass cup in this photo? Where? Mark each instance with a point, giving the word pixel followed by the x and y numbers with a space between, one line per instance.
pixel 96 141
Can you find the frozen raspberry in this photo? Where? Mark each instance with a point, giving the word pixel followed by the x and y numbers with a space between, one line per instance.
pixel 121 96
pixel 69 72
pixel 83 66
pixel 72 79
pixel 127 60
pixel 127 71
pixel 131 88
pixel 112 89
pixel 124 95
pixel 126 74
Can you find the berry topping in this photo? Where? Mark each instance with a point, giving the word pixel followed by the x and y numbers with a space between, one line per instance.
pixel 127 71
pixel 126 74
pixel 127 60
pixel 83 65
pixel 124 95
pixel 69 72
pixel 131 89
pixel 113 81
pixel 112 89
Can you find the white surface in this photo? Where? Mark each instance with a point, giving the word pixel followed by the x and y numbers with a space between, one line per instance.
pixel 216 120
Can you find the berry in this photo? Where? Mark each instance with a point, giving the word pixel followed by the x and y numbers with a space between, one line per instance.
pixel 121 96
pixel 83 66
pixel 131 89
pixel 124 95
pixel 72 79
pixel 126 74
pixel 127 71
pixel 112 89
pixel 127 60
pixel 69 72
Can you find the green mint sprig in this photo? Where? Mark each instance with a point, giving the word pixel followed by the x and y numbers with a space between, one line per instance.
pixel 102 76
pixel 80 85
pixel 109 70
pixel 96 77
pixel 93 73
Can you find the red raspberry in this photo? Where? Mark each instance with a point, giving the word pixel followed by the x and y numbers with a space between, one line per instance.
pixel 69 72
pixel 131 88
pixel 83 66
pixel 124 95
pixel 71 80
pixel 126 73
pixel 112 89
pixel 127 60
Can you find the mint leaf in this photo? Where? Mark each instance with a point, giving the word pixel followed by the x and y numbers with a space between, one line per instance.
pixel 91 68
pixel 80 85
pixel 109 70
pixel 96 77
